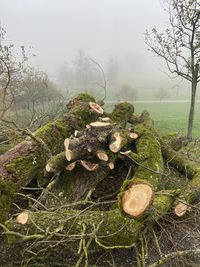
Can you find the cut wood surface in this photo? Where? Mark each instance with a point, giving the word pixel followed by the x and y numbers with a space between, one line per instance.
pixel 137 199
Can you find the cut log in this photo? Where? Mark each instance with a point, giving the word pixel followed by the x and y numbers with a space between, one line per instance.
pixel 122 113
pixel 102 155
pixel 22 218
pixel 105 119
pixel 27 160
pixel 191 191
pixel 96 108
pixel 137 199
pixel 71 166
pixel 133 135
pixel 119 140
pixel 181 209
pixel 136 196
pixel 108 229
pixel 111 165
pixel 99 124
pixel 75 183
pixel 86 146
pixel 89 165
pixel 56 163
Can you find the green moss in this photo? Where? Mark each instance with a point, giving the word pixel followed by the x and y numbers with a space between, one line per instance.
pixel 122 113
pixel 85 97
pixel 24 168
pixel 4 148
pixel 148 156
pixel 53 134
pixel 6 196
pixel 83 112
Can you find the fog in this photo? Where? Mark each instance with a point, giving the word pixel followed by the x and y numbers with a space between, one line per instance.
pixel 105 30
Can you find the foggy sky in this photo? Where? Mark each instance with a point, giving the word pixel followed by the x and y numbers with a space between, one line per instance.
pixel 102 28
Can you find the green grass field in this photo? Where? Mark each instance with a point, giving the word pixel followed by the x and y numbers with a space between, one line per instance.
pixel 168 117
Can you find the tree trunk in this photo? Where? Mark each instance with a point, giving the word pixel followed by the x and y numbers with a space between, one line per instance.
pixel 192 109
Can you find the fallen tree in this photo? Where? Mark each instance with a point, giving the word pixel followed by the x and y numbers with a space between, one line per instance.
pixel 98 146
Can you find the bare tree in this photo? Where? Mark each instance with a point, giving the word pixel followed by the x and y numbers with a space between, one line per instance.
pixel 13 66
pixel 179 45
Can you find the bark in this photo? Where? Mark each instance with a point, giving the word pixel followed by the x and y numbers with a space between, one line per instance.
pixel 27 160
pixel 191 192
pixel 108 229
pixel 192 109
pixel 147 177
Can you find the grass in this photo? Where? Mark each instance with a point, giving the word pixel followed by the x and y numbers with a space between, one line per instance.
pixel 168 117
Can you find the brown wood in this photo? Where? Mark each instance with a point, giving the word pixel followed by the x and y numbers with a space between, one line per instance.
pixel 71 166
pixel 181 209
pixel 89 165
pixel 137 199
pixel 102 155
pixel 96 108
pixel 22 218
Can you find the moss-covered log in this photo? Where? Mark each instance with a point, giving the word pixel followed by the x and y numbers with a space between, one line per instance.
pixel 27 160
pixel 136 195
pixel 191 170
pixel 74 185
pixel 109 229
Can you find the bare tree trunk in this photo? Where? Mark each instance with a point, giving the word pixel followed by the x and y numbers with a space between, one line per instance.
pixel 191 113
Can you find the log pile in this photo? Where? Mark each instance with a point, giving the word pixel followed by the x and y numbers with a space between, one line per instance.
pixel 101 176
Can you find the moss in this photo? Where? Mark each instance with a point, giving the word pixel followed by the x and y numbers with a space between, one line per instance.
pixel 85 97
pixel 122 113
pixel 191 191
pixel 6 196
pixel 24 168
pixel 70 222
pixel 147 159
pixel 148 156
pixel 84 114
pixel 4 148
pixel 53 134
pixel 164 200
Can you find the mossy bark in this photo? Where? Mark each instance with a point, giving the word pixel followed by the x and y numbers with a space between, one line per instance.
pixel 191 191
pixel 75 185
pixel 27 160
pixel 122 113
pixel 147 160
pixel 108 229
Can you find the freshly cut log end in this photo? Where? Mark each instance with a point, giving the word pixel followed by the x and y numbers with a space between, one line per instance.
pixel 111 165
pixel 69 154
pixel 102 155
pixel 48 168
pixel 133 135
pixel 137 199
pixel 89 165
pixel 66 143
pixel 117 144
pixel 96 108
pixel 99 124
pixel 181 209
pixel 125 152
pixel 22 218
pixel 76 133
pixel 71 166
pixel 105 119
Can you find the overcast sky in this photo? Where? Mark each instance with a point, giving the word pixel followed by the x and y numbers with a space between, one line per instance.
pixel 102 28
